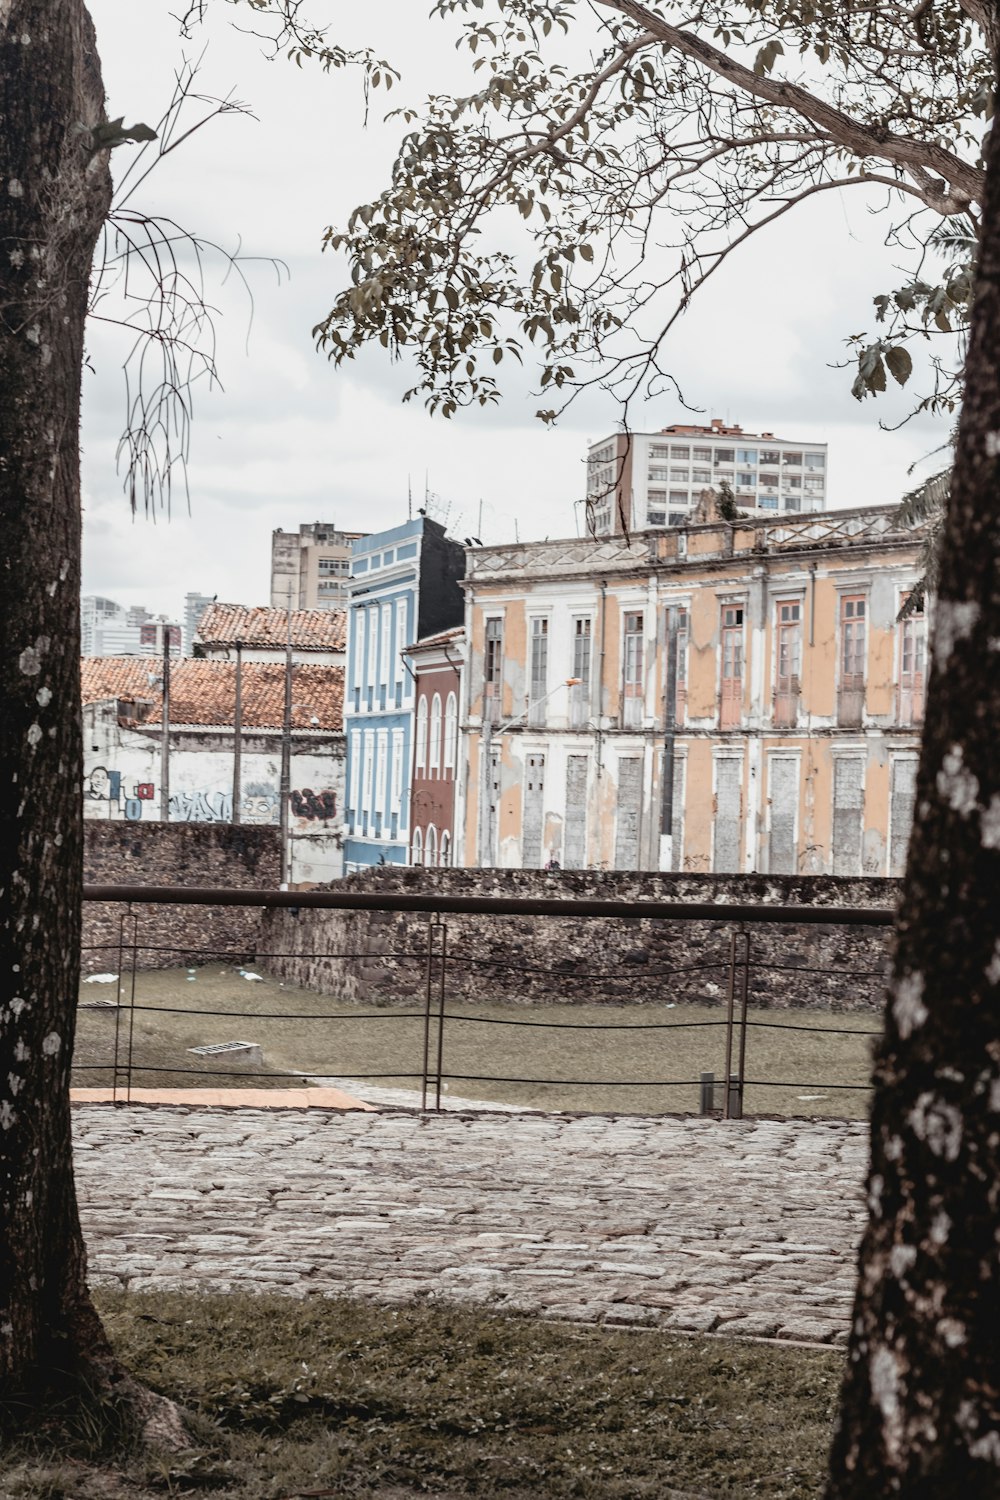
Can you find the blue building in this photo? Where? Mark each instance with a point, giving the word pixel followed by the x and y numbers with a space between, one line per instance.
pixel 404 584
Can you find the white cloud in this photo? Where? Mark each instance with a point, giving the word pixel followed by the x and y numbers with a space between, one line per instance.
pixel 289 439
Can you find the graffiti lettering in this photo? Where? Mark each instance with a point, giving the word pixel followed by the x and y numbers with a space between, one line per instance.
pixel 201 807
pixel 312 805
pixel 144 791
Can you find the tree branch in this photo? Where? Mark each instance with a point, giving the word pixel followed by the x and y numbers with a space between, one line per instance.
pixel 919 158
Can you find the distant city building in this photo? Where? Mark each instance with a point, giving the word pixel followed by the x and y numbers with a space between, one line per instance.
pixel 110 629
pixel 654 479
pixel 310 568
pixel 263 633
pixel 713 699
pixel 404 586
pixel 437 663
pixel 195 606
pixel 123 745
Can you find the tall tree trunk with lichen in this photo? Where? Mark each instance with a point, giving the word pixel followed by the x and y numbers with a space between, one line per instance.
pixel 920 1407
pixel 55 191
pixel 54 195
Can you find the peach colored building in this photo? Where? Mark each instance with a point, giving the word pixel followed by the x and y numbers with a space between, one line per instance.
pixel 707 698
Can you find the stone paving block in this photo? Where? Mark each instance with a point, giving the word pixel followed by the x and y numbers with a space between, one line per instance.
pixel 665 1219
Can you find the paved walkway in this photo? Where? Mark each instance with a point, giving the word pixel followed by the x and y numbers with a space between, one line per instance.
pixel 747 1227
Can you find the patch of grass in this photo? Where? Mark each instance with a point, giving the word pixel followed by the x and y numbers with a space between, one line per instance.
pixel 388 1041
pixel 357 1400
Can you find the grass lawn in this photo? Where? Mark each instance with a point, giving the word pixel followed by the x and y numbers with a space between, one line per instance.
pixel 327 1398
pixel 666 1047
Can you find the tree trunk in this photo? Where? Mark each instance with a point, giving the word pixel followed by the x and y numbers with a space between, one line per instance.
pixel 920 1407
pixel 54 195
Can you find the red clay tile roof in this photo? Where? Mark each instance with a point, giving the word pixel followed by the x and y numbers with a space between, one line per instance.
pixel 204 692
pixel 312 629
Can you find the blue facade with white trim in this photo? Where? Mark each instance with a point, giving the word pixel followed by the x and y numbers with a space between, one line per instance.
pixel 404 584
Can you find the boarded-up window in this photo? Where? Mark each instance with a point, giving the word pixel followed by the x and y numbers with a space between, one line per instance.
pixel 784 796
pixel 632 687
pixel 493 670
pixel 853 638
pixel 848 814
pixel 539 671
pixel 903 796
pixel 731 698
pixel 788 662
pixel 579 696
pixel 629 813
pixel 677 849
pixel 683 633
pixel 534 798
pixel 728 816
pixel 912 646
pixel 575 824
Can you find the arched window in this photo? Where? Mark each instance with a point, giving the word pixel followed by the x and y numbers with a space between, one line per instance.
pixel 421 753
pixel 445 860
pixel 417 854
pixel 435 753
pixel 450 733
pixel 432 846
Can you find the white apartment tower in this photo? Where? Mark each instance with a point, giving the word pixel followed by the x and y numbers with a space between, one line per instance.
pixel 657 478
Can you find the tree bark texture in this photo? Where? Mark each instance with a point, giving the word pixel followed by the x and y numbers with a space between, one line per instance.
pixel 54 195
pixel 920 1410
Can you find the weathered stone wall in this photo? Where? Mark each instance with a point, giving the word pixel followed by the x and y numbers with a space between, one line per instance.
pixel 573 959
pixel 179 854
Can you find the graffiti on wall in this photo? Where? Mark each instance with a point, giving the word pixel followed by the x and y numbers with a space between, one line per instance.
pixel 314 806
pixel 259 804
pixel 104 785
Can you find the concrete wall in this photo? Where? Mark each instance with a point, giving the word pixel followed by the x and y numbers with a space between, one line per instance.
pixel 122 783
pixel 178 854
pixel 567 960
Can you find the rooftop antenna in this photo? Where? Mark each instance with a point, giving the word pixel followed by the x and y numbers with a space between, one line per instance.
pixel 409 499
pixel 479 529
pixel 517 539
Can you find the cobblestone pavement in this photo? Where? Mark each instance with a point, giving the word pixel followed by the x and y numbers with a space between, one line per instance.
pixel 746 1227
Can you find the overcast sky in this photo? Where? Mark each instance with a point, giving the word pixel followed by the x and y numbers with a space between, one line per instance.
pixel 289 439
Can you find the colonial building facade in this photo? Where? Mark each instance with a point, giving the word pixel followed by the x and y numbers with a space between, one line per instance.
pixel 437 668
pixel 404 585
pixel 714 698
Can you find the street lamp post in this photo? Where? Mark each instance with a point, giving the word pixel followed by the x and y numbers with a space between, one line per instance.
pixel 487 821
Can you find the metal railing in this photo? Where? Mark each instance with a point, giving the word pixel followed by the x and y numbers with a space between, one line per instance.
pixel 436 971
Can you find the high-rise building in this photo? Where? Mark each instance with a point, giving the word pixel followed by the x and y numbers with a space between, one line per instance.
pixel 643 480
pixel 310 568
pixel 110 629
pixel 195 606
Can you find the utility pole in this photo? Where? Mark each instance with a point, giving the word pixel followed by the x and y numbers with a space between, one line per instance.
pixel 284 793
pixel 165 734
pixel 238 736
pixel 669 739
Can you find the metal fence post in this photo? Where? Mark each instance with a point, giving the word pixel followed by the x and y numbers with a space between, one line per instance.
pixel 744 1002
pixel 730 1001
pixel 443 956
pixel 428 980
pixel 131 1004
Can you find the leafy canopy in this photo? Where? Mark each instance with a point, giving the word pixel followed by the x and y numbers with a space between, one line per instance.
pixel 609 157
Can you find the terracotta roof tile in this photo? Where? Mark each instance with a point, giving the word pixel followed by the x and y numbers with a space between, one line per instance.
pixel 312 629
pixel 204 692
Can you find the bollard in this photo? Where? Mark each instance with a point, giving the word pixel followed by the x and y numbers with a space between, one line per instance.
pixel 735 1111
pixel 708 1093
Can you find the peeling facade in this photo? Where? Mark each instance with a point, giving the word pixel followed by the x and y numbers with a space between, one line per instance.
pixel 714 699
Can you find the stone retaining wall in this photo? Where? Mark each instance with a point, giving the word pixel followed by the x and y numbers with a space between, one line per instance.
pixel 178 854
pixel 582 960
